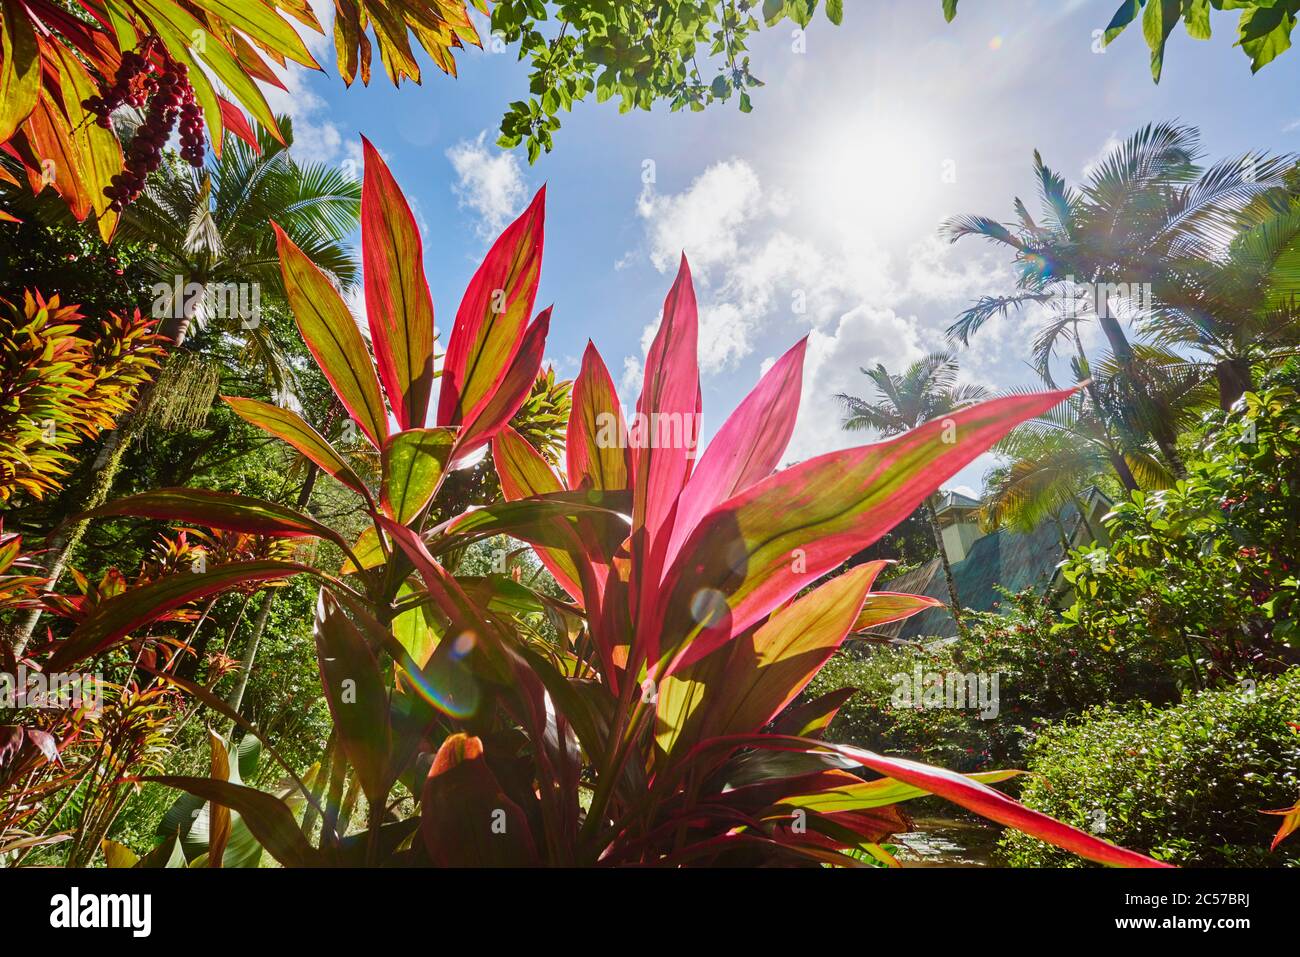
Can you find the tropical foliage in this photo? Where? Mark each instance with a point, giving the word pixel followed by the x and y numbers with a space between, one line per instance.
pixel 636 735
pixel 62 380
pixel 1264 27
pixel 1205 570
pixel 1206 783
pixel 66 68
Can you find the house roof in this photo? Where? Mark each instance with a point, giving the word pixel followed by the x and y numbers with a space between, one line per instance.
pixel 950 499
pixel 1013 560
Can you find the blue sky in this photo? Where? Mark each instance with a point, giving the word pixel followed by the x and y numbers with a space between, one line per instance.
pixel 816 215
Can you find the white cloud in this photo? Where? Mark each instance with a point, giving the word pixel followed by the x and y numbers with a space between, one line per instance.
pixel 862 337
pixel 489 181
pixel 705 219
pixel 759 282
pixel 1112 143
pixel 316 138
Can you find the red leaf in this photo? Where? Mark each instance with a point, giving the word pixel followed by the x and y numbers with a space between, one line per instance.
pixel 510 393
pixel 332 335
pixel 524 473
pixel 234 513
pixel 492 318
pixel 465 817
pixel 764 545
pixel 360 709
pixel 122 614
pixel 235 121
pixel 958 788
pixel 667 410
pixel 748 447
pixel 398 306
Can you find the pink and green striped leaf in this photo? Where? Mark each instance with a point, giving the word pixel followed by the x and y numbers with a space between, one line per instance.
pixel 967 791
pixel 399 308
pixel 233 513
pixel 743 685
pixel 492 318
pixel 764 545
pixel 596 440
pixel 510 392
pixel 292 428
pixel 121 615
pixel 667 411
pixel 413 465
pixel 332 335
pixel 748 447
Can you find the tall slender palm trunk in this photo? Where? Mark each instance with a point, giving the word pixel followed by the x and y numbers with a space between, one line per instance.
pixel 264 612
pixel 1161 428
pixel 954 602
pixel 1234 379
pixel 1113 451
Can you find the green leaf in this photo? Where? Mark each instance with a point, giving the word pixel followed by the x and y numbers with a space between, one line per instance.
pixel 1265 34
pixel 20 74
pixel 268 818
pixel 413 466
pixel 262 23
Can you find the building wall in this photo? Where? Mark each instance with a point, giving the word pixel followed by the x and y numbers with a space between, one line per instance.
pixel 958 538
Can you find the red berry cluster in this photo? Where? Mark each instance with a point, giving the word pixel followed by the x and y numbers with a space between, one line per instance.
pixel 169 96
pixel 134 83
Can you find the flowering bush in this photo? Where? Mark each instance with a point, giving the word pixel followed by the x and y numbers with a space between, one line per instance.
pixel 1045 674
pixel 1206 571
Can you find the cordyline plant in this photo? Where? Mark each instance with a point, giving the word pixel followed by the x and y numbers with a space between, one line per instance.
pixel 654 728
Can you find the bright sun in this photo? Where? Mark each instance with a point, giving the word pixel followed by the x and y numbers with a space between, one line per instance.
pixel 879 171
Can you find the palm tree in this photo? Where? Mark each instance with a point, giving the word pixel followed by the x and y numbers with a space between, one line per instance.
pixel 212 226
pixel 1054 460
pixel 1237 311
pixel 1095 251
pixel 927 390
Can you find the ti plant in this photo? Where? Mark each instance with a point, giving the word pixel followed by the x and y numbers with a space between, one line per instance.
pixel 653 725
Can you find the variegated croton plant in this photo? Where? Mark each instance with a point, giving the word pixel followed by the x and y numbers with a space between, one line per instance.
pixel 657 723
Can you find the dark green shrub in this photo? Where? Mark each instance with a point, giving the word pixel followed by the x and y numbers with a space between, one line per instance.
pixel 1186 783
pixel 1044 674
pixel 1204 573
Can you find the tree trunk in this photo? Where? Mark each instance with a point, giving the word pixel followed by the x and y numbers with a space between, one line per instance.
pixel 68 534
pixel 250 652
pixel 1235 380
pixel 1162 431
pixel 1113 451
pixel 954 603
pixel 263 613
